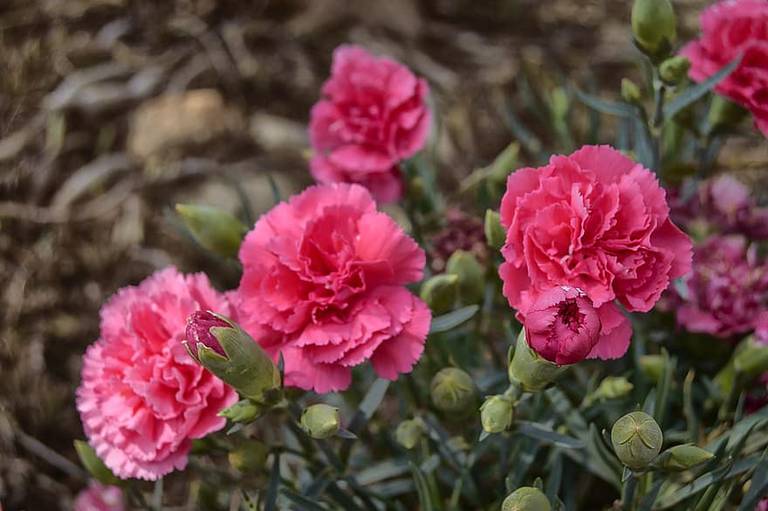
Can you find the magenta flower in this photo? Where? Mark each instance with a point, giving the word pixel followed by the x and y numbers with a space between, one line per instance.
pixel 730 28
pixel 97 497
pixel 373 116
pixel 323 283
pixel 727 290
pixel 142 399
pixel 562 325
pixel 596 221
pixel 198 330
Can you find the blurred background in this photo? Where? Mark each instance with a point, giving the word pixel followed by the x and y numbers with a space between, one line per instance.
pixel 112 111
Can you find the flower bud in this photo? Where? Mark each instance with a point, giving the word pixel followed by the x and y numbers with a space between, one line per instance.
pixel 452 390
pixel 528 369
pixel 213 229
pixel 471 276
pixel 408 433
pixel 250 456
pixel 321 421
pixel 630 92
pixel 495 235
pixel 612 387
pixel 654 27
pixel 751 358
pixel 496 414
pixel 683 457
pixel 93 464
pixel 526 498
pixel 637 439
pixel 674 69
pixel 440 292
pixel 222 347
pixel 243 411
pixel 652 366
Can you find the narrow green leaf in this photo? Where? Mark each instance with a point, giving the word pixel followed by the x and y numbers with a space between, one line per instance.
pixel 646 504
pixel 274 484
pixel 422 488
pixel 605 106
pixel 758 487
pixel 304 503
pixel 695 92
pixel 453 319
pixel 547 435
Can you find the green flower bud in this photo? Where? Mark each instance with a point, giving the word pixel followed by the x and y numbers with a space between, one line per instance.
pixel 497 413
pixel 250 456
pixel 222 347
pixel 751 358
pixel 654 27
pixel 612 387
pixel 630 92
pixel 452 390
pixel 683 457
pixel 93 464
pixel 526 498
pixel 724 113
pixel 243 411
pixel 674 69
pixel 652 366
pixel 408 433
pixel 440 292
pixel 321 421
pixel 213 229
pixel 531 371
pixel 495 235
pixel 637 439
pixel 471 275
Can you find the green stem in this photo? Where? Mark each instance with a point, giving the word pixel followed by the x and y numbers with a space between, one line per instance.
pixel 628 492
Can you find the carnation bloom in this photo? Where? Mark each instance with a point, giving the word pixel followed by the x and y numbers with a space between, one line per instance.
pixel 97 497
pixel 373 115
pixel 731 28
pixel 562 325
pixel 727 290
pixel 142 398
pixel 596 221
pixel 323 284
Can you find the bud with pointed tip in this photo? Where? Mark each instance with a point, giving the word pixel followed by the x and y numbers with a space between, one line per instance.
pixel 494 231
pixel 526 498
pixel 321 421
pixel 471 276
pixel 213 229
pixel 497 414
pixel 630 92
pixel 612 387
pixel 654 26
pixel 440 292
pixel 636 439
pixel 452 390
pixel 409 432
pixel 222 347
pixel 674 69
pixel 683 457
pixel 243 411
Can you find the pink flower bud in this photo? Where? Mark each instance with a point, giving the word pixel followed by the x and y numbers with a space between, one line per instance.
pixel 562 325
pixel 199 326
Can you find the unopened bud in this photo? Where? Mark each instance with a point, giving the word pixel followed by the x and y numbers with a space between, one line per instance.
pixel 652 366
pixel 213 229
pixel 526 498
pixel 683 457
pixel 636 439
pixel 250 456
pixel 495 235
pixel 654 27
pixel 531 371
pixel 223 348
pixel 452 390
pixel 243 411
pixel 408 433
pixel 630 92
pixel 471 276
pixel 321 421
pixel 497 413
pixel 440 292
pixel 612 387
pixel 674 69
pixel 93 464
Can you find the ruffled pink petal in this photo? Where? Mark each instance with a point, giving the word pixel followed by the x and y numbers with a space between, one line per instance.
pixel 615 336
pixel 399 354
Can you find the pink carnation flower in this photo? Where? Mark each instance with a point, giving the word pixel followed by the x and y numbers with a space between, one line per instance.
pixel 97 497
pixel 730 28
pixel 323 284
pixel 596 221
pixel 727 289
pixel 562 325
pixel 142 398
pixel 373 116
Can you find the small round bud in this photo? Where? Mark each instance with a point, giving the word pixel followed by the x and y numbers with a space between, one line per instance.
pixel 630 92
pixel 494 231
pixel 440 292
pixel 452 390
pixel 408 433
pixel 654 27
pixel 674 69
pixel 652 366
pixel 471 275
pixel 321 421
pixel 683 457
pixel 526 498
pixel 613 387
pixel 250 456
pixel 637 439
pixel 496 414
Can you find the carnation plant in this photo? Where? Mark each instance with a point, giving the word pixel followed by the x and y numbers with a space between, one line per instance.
pixel 575 331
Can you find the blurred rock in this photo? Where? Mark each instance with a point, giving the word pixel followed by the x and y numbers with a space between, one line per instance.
pixel 275 133
pixel 175 121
